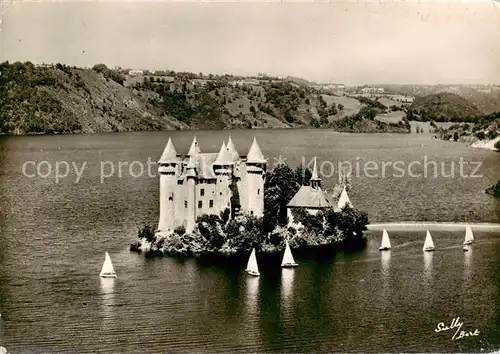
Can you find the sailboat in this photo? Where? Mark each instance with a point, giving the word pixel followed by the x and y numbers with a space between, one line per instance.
pixel 288 261
pixel 386 243
pixel 107 270
pixel 428 244
pixel 252 267
pixel 469 236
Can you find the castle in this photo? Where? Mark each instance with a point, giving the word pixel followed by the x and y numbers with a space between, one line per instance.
pixel 209 183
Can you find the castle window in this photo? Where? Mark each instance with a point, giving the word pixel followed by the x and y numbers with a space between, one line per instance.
pixel 251 212
pixel 211 204
pixel 200 204
pixel 185 204
pixel 220 193
pixel 258 191
pixel 202 192
pixel 171 196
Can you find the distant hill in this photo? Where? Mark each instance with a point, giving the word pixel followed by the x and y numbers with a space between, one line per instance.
pixel 59 99
pixel 486 98
pixel 487 102
pixel 443 107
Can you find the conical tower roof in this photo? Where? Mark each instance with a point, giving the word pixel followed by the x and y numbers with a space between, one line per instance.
pixel 232 149
pixel 195 148
pixel 343 199
pixel 224 157
pixel 315 176
pixel 169 154
pixel 255 154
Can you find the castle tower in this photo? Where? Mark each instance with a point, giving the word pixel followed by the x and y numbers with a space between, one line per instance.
pixel 168 181
pixel 315 180
pixel 191 195
pixel 223 168
pixel 256 167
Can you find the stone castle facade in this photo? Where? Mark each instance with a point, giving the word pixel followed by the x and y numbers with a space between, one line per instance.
pixel 197 183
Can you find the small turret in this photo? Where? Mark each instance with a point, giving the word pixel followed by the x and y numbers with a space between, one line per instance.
pixel 315 180
pixel 191 167
pixel 195 148
pixel 343 199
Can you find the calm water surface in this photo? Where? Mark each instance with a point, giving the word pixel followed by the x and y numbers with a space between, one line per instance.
pixel 53 237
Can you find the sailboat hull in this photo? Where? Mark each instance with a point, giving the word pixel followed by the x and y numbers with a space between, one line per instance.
pixel 468 242
pixel 107 275
pixel 289 265
pixel 466 249
pixel 253 273
pixel 384 248
pixel 429 249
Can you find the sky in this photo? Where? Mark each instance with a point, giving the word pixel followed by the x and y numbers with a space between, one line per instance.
pixel 347 42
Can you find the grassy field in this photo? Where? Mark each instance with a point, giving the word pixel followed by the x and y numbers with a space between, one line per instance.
pixel 351 105
pixel 392 117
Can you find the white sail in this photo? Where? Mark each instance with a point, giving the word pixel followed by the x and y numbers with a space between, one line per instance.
pixel 107 268
pixel 386 243
pixel 428 244
pixel 288 257
pixel 252 263
pixel 469 236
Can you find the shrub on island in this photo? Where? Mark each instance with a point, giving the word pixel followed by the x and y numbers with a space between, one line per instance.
pixel 494 190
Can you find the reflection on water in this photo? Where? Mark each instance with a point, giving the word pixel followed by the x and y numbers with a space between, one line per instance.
pixel 385 258
pixel 467 263
pixel 252 295
pixel 428 256
pixel 287 276
pixel 107 301
pixel 385 263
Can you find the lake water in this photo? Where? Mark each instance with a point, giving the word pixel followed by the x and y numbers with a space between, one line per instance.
pixel 53 237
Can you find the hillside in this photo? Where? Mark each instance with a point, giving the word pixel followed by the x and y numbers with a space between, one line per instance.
pixel 60 99
pixel 483 133
pixel 442 107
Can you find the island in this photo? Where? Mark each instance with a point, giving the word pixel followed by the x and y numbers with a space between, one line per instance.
pixel 225 203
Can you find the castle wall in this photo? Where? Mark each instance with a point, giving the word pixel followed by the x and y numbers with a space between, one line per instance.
pixel 206 197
